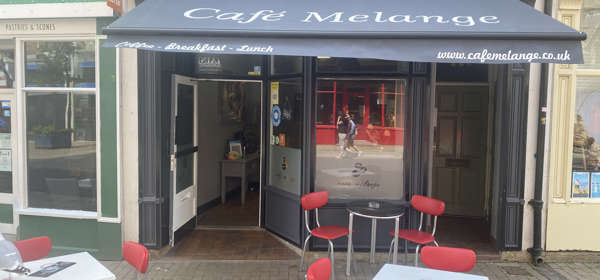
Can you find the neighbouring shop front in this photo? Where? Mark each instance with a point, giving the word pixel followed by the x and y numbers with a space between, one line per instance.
pixel 58 174
pixel 438 97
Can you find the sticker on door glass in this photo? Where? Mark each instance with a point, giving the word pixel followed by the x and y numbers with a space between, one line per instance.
pixel 274 93
pixel 276 115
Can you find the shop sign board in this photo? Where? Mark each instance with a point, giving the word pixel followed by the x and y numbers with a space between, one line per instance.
pixel 116 5
pixel 48 26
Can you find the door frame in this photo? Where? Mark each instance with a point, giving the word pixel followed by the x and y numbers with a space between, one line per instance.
pixel 177 80
pixel 262 132
pixel 488 153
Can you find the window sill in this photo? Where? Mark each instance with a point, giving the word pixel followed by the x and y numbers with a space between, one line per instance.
pixel 57 213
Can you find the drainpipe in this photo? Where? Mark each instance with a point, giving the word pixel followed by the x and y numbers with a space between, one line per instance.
pixel 537 203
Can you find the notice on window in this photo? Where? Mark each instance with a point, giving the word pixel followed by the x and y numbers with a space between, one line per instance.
pixel 274 93
pixel 581 184
pixel 5 160
pixel 5 141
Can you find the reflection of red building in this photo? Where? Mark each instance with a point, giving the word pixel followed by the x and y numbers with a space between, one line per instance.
pixel 377 108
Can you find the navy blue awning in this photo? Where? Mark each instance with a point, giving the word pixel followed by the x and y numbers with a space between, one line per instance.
pixel 460 31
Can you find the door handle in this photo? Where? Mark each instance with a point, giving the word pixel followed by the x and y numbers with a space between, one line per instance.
pixel 186 196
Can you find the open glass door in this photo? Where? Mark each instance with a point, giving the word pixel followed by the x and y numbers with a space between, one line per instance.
pixel 285 164
pixel 184 155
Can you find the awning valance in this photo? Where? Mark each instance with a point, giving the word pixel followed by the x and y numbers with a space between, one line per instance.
pixel 460 31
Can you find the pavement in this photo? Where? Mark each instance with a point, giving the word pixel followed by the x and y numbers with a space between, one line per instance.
pixel 172 268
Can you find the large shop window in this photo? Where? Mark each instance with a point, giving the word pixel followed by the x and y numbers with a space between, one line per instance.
pixel 7 77
pixel 60 64
pixel 61 125
pixel 360 138
pixel 586 138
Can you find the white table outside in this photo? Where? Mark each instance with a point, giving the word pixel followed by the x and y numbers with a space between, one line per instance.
pixel 85 267
pixel 394 271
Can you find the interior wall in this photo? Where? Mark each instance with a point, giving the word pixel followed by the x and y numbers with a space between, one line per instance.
pixel 213 134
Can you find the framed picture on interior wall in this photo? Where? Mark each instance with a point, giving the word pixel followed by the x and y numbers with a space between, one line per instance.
pixel 580 187
pixel 231 102
pixel 595 185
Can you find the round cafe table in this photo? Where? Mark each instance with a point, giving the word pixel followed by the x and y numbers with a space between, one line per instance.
pixel 374 210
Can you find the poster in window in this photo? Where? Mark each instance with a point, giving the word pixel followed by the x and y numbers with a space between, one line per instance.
pixel 581 184
pixel 5 160
pixel 5 141
pixel 595 183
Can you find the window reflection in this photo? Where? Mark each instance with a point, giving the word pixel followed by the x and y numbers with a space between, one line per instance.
pixel 60 64
pixel 61 150
pixel 360 153
pixel 7 63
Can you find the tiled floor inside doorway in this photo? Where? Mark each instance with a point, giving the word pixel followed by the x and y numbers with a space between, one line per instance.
pixel 465 232
pixel 231 245
pixel 232 213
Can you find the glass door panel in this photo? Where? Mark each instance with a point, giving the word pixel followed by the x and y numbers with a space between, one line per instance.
pixel 287 117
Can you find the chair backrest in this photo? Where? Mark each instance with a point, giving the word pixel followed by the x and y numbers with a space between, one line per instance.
pixel 34 248
pixel 449 259
pixel 314 200
pixel 319 270
pixel 428 205
pixel 136 255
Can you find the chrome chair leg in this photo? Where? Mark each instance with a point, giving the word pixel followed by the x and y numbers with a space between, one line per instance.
pixel 436 244
pixel 353 258
pixel 389 260
pixel 405 252
pixel 332 260
pixel 417 255
pixel 301 268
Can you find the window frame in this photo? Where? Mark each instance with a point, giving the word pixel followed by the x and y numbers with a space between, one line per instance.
pixel 21 91
pixel 11 94
pixel 564 93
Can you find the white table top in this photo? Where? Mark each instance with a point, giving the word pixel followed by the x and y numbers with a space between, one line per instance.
pixel 85 267
pixel 394 272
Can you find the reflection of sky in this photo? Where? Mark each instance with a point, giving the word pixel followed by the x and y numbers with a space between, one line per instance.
pixel 588 106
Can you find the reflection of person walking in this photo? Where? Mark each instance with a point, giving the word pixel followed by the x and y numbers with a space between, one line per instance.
pixel 342 129
pixel 351 134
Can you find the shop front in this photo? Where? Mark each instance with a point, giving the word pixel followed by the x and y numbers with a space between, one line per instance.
pixel 365 104
pixel 58 174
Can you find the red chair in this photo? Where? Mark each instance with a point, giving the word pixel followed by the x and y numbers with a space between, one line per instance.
pixel 136 255
pixel 34 248
pixel 447 258
pixel 313 201
pixel 425 205
pixel 319 270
